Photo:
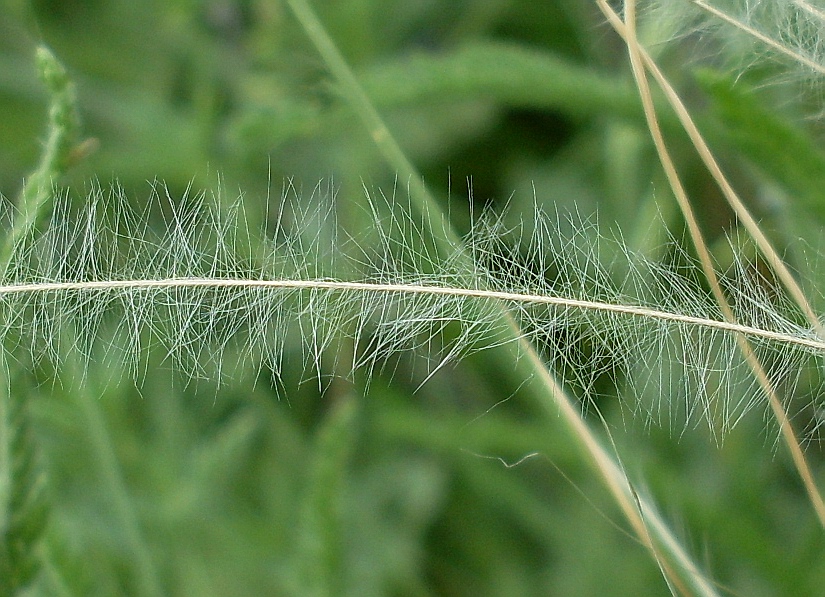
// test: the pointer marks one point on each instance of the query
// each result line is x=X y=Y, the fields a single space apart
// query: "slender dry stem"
x=640 y=61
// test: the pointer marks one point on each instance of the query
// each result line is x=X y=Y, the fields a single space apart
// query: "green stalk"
x=445 y=237
x=677 y=567
x=38 y=189
x=34 y=202
x=22 y=501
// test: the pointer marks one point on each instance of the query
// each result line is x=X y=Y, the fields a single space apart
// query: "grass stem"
x=610 y=473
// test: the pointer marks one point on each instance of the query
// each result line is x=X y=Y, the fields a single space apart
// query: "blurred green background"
x=241 y=486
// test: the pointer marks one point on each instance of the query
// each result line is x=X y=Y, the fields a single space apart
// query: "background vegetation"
x=243 y=484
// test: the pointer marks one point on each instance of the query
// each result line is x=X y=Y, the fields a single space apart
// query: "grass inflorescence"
x=290 y=376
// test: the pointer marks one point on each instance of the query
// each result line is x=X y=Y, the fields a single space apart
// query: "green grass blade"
x=552 y=396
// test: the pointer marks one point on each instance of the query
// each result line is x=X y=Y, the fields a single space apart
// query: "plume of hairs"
x=216 y=298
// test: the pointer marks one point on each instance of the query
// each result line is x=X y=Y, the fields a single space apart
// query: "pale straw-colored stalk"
x=641 y=61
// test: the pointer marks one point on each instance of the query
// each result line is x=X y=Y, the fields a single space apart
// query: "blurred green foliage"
x=246 y=485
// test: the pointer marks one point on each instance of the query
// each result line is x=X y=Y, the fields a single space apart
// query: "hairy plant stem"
x=651 y=531
x=811 y=343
